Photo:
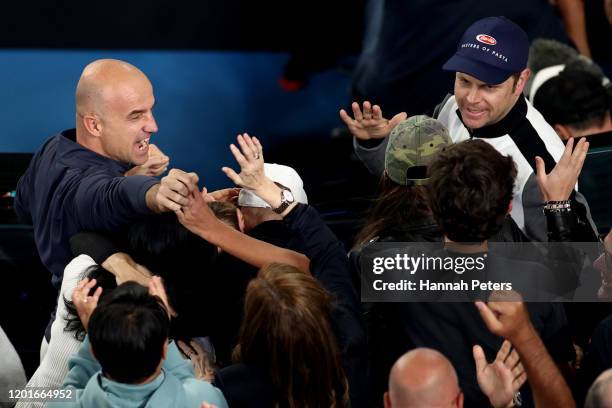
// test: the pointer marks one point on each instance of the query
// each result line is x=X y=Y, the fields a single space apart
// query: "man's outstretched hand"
x=369 y=123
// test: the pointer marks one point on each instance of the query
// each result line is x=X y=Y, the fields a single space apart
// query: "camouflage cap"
x=413 y=145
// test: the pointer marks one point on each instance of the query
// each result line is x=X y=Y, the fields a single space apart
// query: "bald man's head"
x=423 y=377
x=114 y=106
x=600 y=393
x=98 y=81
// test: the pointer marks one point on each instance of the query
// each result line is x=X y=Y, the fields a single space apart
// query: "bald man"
x=76 y=180
x=600 y=393
x=423 y=378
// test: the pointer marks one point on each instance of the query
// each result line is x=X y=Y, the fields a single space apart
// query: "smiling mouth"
x=143 y=144
x=474 y=112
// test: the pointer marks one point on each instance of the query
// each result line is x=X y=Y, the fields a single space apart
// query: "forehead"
x=126 y=96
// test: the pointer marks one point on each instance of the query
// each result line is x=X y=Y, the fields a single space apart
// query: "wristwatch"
x=286 y=199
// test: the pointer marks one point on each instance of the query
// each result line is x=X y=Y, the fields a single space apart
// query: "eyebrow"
x=136 y=112
x=140 y=111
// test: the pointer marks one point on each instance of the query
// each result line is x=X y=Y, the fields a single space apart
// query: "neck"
x=258 y=216
x=146 y=380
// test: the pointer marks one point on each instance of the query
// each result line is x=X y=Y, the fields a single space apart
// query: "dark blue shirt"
x=68 y=188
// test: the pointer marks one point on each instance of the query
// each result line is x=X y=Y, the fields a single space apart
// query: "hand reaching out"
x=197 y=216
x=501 y=379
x=156 y=288
x=560 y=182
x=251 y=161
x=175 y=189
x=369 y=123
x=507 y=319
x=85 y=304
x=156 y=164
x=229 y=195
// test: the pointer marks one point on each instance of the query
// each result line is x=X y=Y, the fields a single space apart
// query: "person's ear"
x=240 y=219
x=522 y=81
x=460 y=400
x=387 y=400
x=510 y=207
x=92 y=124
x=563 y=131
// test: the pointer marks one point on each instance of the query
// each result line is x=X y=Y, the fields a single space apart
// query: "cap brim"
x=481 y=71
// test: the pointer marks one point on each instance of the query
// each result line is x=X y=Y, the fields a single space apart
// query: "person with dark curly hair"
x=470 y=190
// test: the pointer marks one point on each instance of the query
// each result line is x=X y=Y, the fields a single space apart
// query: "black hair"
x=105 y=280
x=470 y=189
x=170 y=250
x=575 y=98
x=184 y=261
x=127 y=333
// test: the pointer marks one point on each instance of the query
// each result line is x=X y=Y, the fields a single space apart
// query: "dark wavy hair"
x=394 y=205
x=105 y=280
x=286 y=332
x=127 y=332
x=170 y=250
x=470 y=189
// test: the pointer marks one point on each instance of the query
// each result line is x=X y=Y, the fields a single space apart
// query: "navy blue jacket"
x=68 y=188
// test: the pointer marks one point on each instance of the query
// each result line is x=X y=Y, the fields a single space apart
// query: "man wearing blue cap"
x=491 y=72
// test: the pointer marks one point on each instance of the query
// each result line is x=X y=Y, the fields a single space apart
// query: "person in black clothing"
x=299 y=227
x=464 y=213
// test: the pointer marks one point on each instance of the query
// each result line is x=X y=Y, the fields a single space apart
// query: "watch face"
x=288 y=196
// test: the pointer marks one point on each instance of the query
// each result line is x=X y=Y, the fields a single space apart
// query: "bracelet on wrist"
x=558 y=206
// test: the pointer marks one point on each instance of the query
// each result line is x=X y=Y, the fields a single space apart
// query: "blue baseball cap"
x=491 y=50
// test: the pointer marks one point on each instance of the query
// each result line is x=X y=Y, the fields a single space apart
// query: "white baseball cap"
x=281 y=174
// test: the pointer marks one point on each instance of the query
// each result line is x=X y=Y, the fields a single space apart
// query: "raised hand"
x=369 y=123
x=251 y=161
x=85 y=304
x=507 y=319
x=501 y=379
x=559 y=183
x=156 y=164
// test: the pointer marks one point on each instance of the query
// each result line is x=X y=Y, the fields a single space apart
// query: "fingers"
x=348 y=121
x=247 y=147
x=232 y=175
x=519 y=381
x=518 y=371
x=567 y=152
x=180 y=182
x=376 y=113
x=579 y=154
x=504 y=351
x=357 y=112
x=175 y=189
x=240 y=159
x=479 y=358
x=512 y=360
x=397 y=119
x=367 y=110
x=540 y=170
x=489 y=317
